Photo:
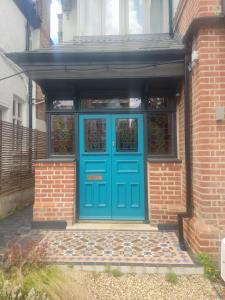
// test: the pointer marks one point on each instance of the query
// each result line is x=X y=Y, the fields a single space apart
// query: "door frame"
x=77 y=160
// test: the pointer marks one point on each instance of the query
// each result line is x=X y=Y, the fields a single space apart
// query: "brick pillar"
x=207 y=227
x=55 y=191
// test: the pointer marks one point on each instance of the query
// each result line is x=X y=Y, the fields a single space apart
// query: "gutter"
x=30 y=86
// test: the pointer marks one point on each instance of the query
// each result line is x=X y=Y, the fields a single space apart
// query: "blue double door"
x=111 y=171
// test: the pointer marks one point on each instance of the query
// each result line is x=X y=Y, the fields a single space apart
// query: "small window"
x=161 y=127
x=17 y=117
x=159 y=16
x=95 y=135
x=111 y=16
x=62 y=104
x=62 y=134
x=110 y=103
x=136 y=16
x=126 y=135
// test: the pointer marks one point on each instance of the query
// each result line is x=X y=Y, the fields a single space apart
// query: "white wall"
x=175 y=4
x=13 y=39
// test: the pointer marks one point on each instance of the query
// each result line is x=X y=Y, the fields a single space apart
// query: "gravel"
x=104 y=286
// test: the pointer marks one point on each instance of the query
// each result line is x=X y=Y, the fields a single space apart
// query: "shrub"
x=171 y=277
x=210 y=269
x=22 y=257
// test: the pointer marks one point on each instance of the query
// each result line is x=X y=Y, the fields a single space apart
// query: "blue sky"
x=55 y=9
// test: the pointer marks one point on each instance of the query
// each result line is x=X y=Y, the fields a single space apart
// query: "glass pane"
x=19 y=110
x=160 y=134
x=90 y=19
x=136 y=16
x=127 y=135
x=159 y=16
x=112 y=16
x=62 y=134
x=63 y=104
x=14 y=108
x=155 y=103
x=112 y=103
x=95 y=135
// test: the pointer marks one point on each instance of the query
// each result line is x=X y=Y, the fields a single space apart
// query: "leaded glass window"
x=111 y=103
x=127 y=135
x=95 y=135
x=62 y=134
x=161 y=126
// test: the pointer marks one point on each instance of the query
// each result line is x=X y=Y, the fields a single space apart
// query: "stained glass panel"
x=155 y=103
x=62 y=134
x=63 y=104
x=95 y=135
x=127 y=135
x=160 y=133
x=110 y=103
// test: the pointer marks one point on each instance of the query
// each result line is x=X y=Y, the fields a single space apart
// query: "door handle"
x=113 y=143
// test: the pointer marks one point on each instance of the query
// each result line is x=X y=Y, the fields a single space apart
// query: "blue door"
x=111 y=167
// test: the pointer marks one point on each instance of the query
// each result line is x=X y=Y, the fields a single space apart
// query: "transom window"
x=160 y=121
x=112 y=17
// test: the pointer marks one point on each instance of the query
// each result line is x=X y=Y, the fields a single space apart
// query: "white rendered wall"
x=13 y=39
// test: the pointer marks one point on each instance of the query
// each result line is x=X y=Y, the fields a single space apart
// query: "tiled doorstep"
x=111 y=226
x=128 y=251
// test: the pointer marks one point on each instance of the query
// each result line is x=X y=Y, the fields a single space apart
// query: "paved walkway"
x=120 y=247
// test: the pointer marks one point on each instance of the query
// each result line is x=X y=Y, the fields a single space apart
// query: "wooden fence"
x=19 y=146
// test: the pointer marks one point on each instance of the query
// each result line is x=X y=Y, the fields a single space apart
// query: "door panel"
x=95 y=167
x=111 y=167
x=127 y=167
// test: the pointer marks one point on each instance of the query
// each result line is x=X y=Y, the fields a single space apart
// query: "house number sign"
x=94 y=177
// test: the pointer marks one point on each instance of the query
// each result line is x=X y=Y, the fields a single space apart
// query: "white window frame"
x=17 y=120
x=123 y=17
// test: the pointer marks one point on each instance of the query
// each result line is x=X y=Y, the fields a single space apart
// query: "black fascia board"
x=68 y=57
x=28 y=9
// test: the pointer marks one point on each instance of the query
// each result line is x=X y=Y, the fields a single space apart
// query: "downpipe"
x=188 y=155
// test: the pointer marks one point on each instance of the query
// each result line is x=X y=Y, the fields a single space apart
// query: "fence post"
x=1 y=155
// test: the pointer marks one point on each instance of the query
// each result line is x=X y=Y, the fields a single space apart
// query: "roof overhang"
x=39 y=66
x=128 y=59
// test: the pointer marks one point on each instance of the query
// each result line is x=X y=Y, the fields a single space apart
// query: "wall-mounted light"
x=219 y=113
x=195 y=56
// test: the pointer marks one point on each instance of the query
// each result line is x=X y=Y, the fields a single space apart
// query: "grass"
x=113 y=272
x=48 y=282
x=211 y=270
x=171 y=278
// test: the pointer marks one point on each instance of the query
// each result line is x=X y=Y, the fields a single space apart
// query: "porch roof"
x=128 y=56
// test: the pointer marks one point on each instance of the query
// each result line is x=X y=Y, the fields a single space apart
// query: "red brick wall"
x=55 y=191
x=164 y=192
x=192 y=9
x=204 y=231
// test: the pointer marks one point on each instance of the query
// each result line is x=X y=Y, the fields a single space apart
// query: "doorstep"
x=129 y=250
x=112 y=226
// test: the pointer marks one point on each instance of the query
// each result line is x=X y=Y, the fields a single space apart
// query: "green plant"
x=171 y=277
x=108 y=269
x=210 y=269
x=116 y=273
x=22 y=257
x=113 y=272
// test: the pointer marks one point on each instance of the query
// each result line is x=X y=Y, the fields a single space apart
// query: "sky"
x=55 y=9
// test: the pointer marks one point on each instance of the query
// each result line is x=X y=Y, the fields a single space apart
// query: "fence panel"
x=19 y=146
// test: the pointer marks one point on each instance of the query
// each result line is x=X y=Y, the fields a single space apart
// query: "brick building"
x=135 y=117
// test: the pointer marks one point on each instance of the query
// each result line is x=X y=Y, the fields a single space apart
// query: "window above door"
x=115 y=17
